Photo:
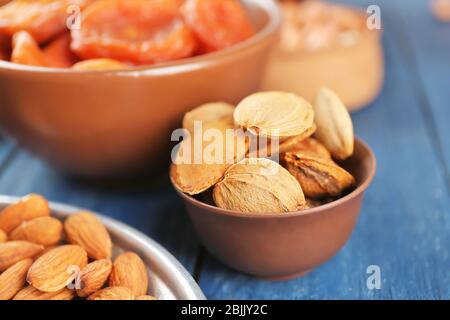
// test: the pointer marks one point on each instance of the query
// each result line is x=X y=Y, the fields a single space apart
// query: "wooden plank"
x=404 y=226
x=149 y=206
x=426 y=45
x=7 y=151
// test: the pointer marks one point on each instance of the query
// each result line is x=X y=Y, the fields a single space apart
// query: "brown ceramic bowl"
x=281 y=246
x=355 y=72
x=111 y=123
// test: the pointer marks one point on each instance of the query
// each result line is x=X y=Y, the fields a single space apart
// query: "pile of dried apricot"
x=113 y=34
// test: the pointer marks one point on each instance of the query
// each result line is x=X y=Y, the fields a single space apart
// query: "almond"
x=200 y=163
x=274 y=114
x=86 y=230
x=3 y=236
x=292 y=142
x=44 y=230
x=318 y=176
x=13 y=279
x=309 y=145
x=29 y=207
x=146 y=297
x=206 y=113
x=258 y=185
x=64 y=294
x=260 y=147
x=112 y=293
x=31 y=293
x=53 y=271
x=334 y=124
x=94 y=276
x=129 y=271
x=46 y=249
x=15 y=251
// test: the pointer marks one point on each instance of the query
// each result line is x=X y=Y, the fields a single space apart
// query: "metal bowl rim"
x=174 y=267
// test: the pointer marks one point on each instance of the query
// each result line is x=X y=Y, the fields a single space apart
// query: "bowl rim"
x=362 y=187
x=187 y=64
x=174 y=274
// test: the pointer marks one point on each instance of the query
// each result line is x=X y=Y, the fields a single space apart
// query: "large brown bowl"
x=283 y=245
x=115 y=122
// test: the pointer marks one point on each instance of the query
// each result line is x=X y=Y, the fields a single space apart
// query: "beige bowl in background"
x=354 y=72
x=114 y=123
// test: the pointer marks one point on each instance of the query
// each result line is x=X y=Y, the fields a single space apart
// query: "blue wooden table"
x=404 y=227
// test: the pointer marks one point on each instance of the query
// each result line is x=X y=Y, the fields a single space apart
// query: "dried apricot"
x=43 y=19
x=5 y=44
x=57 y=53
x=99 y=64
x=135 y=31
x=218 y=24
x=26 y=50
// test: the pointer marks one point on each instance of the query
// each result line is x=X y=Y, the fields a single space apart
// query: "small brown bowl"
x=280 y=246
x=354 y=72
x=114 y=123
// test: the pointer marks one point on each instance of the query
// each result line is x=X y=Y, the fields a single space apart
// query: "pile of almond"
x=314 y=25
x=42 y=258
x=274 y=152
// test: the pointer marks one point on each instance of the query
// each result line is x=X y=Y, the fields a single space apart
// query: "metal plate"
x=168 y=279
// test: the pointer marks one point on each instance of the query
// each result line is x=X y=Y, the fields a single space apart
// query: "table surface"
x=404 y=226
